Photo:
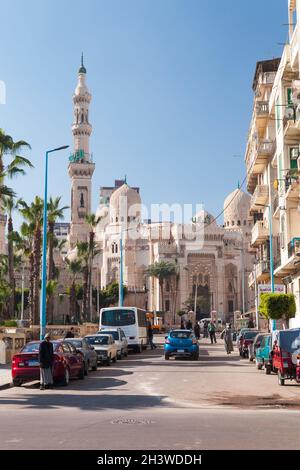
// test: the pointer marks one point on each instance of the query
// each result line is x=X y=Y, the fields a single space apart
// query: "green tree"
x=74 y=268
x=278 y=306
x=33 y=214
x=92 y=220
x=161 y=270
x=55 y=212
x=9 y=204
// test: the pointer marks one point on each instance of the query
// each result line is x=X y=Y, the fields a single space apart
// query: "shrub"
x=277 y=306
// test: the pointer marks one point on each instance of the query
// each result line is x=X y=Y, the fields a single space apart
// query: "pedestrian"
x=197 y=330
x=46 y=358
x=70 y=333
x=182 y=324
x=250 y=323
x=205 y=329
x=189 y=325
x=227 y=336
x=150 y=336
x=212 y=332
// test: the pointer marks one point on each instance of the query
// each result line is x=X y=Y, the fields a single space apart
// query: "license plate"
x=33 y=363
x=180 y=350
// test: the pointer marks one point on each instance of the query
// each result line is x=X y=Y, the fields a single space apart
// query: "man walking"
x=212 y=332
x=150 y=336
x=46 y=357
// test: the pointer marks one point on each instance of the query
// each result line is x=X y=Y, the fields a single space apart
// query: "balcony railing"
x=260 y=233
x=260 y=196
x=262 y=108
x=294 y=248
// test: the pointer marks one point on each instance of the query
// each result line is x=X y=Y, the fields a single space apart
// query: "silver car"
x=120 y=340
x=88 y=351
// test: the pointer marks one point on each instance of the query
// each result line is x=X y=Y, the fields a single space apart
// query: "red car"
x=68 y=363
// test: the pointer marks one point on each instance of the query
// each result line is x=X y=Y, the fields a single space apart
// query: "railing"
x=260 y=195
x=259 y=232
x=266 y=147
x=263 y=267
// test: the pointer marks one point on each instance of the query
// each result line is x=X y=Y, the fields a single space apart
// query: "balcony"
x=261 y=272
x=260 y=156
x=260 y=233
x=260 y=197
x=292 y=185
x=262 y=109
x=292 y=263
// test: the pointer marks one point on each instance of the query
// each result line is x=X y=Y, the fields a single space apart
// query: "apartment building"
x=273 y=164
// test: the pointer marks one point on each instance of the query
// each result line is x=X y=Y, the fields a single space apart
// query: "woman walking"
x=227 y=336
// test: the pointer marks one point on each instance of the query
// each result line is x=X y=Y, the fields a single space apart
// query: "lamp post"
x=121 y=293
x=269 y=206
x=44 y=251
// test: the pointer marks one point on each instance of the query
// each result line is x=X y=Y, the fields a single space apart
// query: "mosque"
x=210 y=259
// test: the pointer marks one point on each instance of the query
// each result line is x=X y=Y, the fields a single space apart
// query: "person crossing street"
x=212 y=332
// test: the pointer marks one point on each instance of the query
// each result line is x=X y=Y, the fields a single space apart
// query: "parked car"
x=253 y=346
x=181 y=343
x=245 y=341
x=68 y=363
x=263 y=354
x=105 y=347
x=89 y=354
x=120 y=340
x=286 y=355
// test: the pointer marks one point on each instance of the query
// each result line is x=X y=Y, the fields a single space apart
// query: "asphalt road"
x=145 y=402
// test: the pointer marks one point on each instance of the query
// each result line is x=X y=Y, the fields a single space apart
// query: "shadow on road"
x=53 y=400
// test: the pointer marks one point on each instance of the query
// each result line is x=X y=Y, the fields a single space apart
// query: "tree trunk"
x=11 y=275
x=72 y=310
x=50 y=276
x=161 y=286
x=36 y=274
x=31 y=288
x=84 y=296
x=90 y=269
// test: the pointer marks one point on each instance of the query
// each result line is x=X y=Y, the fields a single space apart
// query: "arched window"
x=117 y=220
x=232 y=222
x=239 y=223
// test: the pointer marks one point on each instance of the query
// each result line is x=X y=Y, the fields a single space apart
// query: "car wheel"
x=17 y=383
x=196 y=356
x=86 y=368
x=66 y=378
x=167 y=357
x=280 y=379
x=81 y=373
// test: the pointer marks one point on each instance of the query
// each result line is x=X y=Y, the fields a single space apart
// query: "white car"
x=105 y=347
x=120 y=340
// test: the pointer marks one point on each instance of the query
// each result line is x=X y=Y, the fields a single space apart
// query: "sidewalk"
x=5 y=376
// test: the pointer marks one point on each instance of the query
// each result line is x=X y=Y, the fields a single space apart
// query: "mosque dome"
x=125 y=202
x=236 y=209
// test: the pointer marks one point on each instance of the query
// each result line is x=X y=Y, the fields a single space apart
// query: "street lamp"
x=44 y=252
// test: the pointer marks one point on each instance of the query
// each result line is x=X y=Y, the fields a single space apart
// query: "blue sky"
x=171 y=85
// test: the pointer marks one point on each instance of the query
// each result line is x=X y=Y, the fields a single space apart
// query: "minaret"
x=81 y=166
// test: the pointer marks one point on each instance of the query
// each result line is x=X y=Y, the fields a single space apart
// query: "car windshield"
x=114 y=334
x=250 y=334
x=95 y=340
x=76 y=343
x=31 y=347
x=116 y=318
x=181 y=334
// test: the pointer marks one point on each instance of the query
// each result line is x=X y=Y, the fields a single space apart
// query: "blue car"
x=181 y=343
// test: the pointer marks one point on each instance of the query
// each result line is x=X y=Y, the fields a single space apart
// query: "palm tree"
x=84 y=256
x=5 y=191
x=55 y=212
x=34 y=214
x=5 y=291
x=9 y=204
x=161 y=270
x=74 y=268
x=50 y=291
x=9 y=147
x=92 y=221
